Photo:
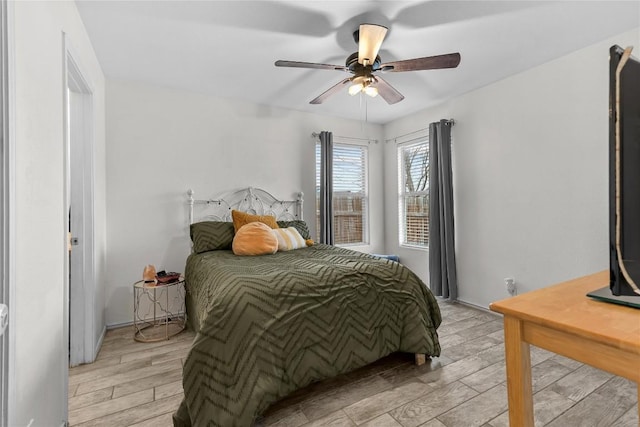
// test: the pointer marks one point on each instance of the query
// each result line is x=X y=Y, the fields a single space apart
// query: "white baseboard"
x=130 y=323
x=479 y=307
x=469 y=304
x=99 y=343
x=118 y=325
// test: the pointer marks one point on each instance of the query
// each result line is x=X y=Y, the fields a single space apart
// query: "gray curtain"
x=326 y=188
x=443 y=280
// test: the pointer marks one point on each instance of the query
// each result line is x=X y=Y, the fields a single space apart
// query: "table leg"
x=518 y=361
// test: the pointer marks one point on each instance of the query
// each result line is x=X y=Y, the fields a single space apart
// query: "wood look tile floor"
x=138 y=384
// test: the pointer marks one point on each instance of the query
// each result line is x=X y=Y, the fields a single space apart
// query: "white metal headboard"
x=251 y=200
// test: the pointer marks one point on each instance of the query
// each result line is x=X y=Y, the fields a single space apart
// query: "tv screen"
x=624 y=172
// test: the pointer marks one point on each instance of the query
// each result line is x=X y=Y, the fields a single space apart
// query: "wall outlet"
x=510 y=282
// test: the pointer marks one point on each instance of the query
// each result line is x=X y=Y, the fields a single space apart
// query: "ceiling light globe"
x=371 y=91
x=354 y=89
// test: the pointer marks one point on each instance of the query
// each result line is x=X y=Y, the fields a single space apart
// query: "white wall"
x=160 y=142
x=530 y=157
x=41 y=354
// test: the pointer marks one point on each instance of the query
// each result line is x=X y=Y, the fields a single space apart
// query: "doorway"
x=80 y=212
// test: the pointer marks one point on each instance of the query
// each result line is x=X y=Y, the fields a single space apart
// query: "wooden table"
x=564 y=320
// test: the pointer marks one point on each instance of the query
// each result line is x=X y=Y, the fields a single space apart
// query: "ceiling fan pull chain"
x=366 y=110
x=363 y=109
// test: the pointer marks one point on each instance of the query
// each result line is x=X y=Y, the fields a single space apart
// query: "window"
x=413 y=169
x=350 y=196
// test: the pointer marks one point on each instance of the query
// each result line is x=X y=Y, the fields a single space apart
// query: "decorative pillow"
x=289 y=238
x=211 y=236
x=242 y=218
x=255 y=238
x=299 y=224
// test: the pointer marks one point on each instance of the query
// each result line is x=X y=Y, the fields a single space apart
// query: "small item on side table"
x=149 y=274
x=164 y=277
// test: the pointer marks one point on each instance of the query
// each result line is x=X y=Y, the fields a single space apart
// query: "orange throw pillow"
x=242 y=218
x=255 y=238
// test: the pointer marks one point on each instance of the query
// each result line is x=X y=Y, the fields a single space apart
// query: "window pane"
x=413 y=163
x=416 y=218
x=349 y=193
x=416 y=167
x=348 y=214
x=348 y=168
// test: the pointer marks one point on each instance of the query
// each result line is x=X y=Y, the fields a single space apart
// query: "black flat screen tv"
x=624 y=172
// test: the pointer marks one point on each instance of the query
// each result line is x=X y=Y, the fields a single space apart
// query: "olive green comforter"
x=268 y=325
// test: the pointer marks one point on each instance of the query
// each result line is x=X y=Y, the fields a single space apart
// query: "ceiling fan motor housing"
x=361 y=70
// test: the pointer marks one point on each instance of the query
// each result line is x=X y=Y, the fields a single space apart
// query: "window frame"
x=403 y=194
x=365 y=196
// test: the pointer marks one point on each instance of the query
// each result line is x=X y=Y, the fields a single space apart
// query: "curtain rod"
x=395 y=139
x=316 y=135
x=451 y=122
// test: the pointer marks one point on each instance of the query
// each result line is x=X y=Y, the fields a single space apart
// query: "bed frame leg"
x=421 y=359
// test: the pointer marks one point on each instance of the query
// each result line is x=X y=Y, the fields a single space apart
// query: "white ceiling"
x=228 y=48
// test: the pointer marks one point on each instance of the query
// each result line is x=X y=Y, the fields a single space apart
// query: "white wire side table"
x=158 y=310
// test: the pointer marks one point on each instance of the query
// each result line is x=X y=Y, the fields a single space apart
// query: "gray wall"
x=530 y=157
x=38 y=306
x=160 y=142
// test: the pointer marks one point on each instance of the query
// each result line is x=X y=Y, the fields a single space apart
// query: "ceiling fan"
x=364 y=63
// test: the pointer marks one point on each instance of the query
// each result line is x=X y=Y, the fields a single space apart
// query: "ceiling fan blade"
x=450 y=60
x=387 y=92
x=332 y=90
x=370 y=39
x=297 y=64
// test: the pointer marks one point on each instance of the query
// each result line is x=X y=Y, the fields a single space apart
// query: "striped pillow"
x=288 y=239
x=299 y=224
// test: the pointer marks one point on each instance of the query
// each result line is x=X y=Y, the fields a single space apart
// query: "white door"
x=6 y=217
x=81 y=291
x=76 y=230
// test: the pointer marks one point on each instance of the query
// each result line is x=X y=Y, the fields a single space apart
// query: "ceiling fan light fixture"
x=359 y=82
x=371 y=91
x=363 y=84
x=370 y=40
x=355 y=89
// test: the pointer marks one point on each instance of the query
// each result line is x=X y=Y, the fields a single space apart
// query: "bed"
x=269 y=325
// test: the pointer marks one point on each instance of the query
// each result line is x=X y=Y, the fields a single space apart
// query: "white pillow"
x=288 y=239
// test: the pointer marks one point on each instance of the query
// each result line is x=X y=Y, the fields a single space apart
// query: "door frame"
x=7 y=209
x=80 y=292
